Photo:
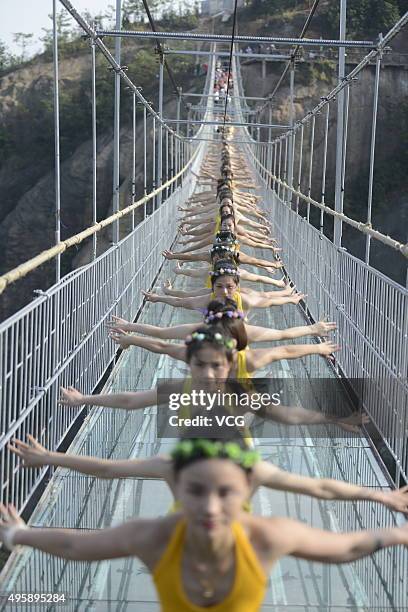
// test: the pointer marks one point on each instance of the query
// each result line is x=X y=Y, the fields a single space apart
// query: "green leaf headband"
x=210 y=337
x=186 y=450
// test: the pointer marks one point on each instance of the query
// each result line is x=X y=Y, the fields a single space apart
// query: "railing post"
x=177 y=152
x=326 y=135
x=144 y=159
x=57 y=176
x=338 y=200
x=154 y=167
x=291 y=142
x=116 y=128
x=133 y=155
x=160 y=134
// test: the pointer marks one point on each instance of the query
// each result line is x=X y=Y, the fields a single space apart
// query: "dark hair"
x=222 y=206
x=224 y=267
x=227 y=216
x=226 y=251
x=227 y=324
x=226 y=236
x=208 y=335
x=232 y=447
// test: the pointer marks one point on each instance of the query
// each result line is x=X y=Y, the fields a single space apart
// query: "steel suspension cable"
x=160 y=48
x=295 y=50
x=234 y=23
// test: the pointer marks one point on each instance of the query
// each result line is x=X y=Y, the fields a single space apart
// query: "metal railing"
x=370 y=309
x=60 y=338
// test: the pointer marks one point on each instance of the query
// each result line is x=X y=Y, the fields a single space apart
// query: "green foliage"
x=173 y=21
x=63 y=30
x=23 y=40
x=364 y=17
x=7 y=59
x=257 y=8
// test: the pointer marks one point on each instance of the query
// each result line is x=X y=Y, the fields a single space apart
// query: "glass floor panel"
x=78 y=501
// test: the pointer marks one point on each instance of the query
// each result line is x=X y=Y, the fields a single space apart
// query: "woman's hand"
x=150 y=297
x=297 y=297
x=32 y=455
x=323 y=328
x=281 y=283
x=177 y=269
x=10 y=523
x=168 y=254
x=119 y=336
x=71 y=397
x=353 y=422
x=326 y=349
x=117 y=323
x=397 y=500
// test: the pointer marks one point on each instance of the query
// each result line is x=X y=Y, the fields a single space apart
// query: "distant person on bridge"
x=225 y=284
x=246 y=361
x=223 y=312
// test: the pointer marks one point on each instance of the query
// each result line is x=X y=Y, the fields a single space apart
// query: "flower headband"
x=222 y=248
x=224 y=271
x=209 y=449
x=231 y=314
x=210 y=337
x=219 y=238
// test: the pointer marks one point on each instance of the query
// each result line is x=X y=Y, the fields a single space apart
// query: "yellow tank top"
x=242 y=371
x=248 y=589
x=217 y=224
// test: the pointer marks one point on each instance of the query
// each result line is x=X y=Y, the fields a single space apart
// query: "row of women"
x=211 y=551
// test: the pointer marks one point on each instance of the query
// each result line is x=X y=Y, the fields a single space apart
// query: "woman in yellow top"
x=245 y=360
x=227 y=239
x=225 y=284
x=212 y=555
x=227 y=266
x=223 y=251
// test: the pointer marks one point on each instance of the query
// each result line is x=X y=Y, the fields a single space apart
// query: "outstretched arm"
x=297 y=415
x=201 y=256
x=258 y=358
x=265 y=334
x=34 y=455
x=198 y=245
x=131 y=538
x=191 y=303
x=128 y=400
x=178 y=332
x=259 y=278
x=176 y=351
x=268 y=475
x=193 y=272
x=255 y=301
x=299 y=540
x=261 y=263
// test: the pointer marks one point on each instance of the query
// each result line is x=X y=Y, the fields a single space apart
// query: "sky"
x=29 y=16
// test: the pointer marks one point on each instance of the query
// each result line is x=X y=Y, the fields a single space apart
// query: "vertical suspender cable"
x=57 y=176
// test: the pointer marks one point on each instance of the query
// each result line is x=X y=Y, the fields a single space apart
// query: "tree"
x=7 y=59
x=133 y=10
x=23 y=40
x=63 y=31
x=365 y=16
